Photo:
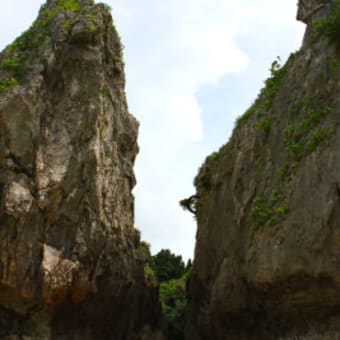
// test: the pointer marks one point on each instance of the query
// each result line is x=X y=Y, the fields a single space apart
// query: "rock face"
x=70 y=266
x=267 y=258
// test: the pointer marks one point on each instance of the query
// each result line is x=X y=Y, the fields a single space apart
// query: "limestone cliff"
x=70 y=266
x=267 y=258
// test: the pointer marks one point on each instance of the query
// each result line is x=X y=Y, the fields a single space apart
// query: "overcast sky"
x=192 y=67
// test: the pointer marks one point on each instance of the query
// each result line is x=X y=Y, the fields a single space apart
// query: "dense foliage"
x=172 y=273
x=174 y=302
x=167 y=266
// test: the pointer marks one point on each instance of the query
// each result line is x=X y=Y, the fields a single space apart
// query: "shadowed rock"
x=308 y=8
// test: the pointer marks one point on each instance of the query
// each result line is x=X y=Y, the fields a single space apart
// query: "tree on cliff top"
x=167 y=265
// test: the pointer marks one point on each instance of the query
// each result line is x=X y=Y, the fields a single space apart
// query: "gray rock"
x=308 y=8
x=69 y=261
x=267 y=258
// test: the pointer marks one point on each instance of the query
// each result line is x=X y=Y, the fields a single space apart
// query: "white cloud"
x=181 y=46
x=187 y=115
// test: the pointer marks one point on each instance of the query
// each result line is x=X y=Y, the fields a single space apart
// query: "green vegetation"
x=203 y=179
x=91 y=26
x=330 y=25
x=7 y=84
x=302 y=105
x=144 y=255
x=174 y=302
x=317 y=138
x=260 y=108
x=305 y=136
x=105 y=91
x=243 y=118
x=301 y=138
x=69 y=5
x=214 y=157
x=273 y=83
x=167 y=265
x=268 y=210
x=267 y=95
x=14 y=70
x=68 y=23
x=151 y=275
x=265 y=124
x=172 y=274
x=149 y=270
x=16 y=60
x=38 y=32
x=13 y=65
x=287 y=170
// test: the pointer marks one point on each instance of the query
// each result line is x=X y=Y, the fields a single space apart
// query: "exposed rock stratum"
x=267 y=258
x=70 y=266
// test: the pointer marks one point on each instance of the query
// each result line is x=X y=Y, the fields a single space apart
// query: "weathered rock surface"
x=267 y=259
x=70 y=267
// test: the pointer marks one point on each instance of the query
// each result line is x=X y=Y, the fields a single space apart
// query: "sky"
x=192 y=67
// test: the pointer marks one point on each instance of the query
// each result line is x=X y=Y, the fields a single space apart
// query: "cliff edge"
x=70 y=262
x=267 y=258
